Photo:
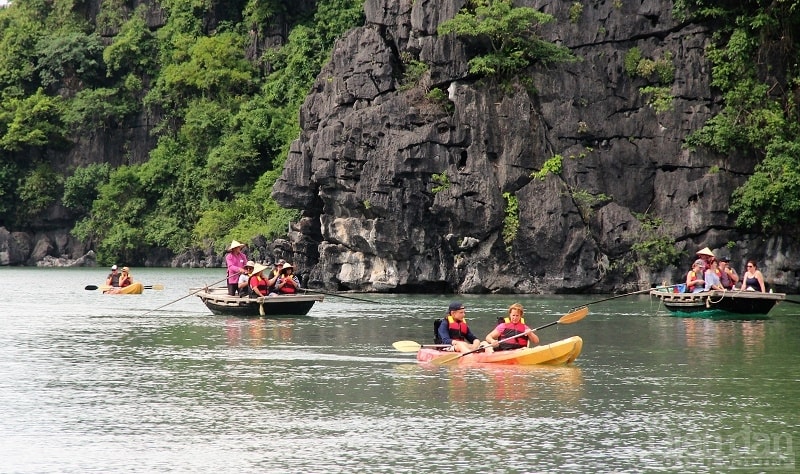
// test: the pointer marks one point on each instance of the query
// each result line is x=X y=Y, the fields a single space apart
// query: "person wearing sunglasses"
x=753 y=279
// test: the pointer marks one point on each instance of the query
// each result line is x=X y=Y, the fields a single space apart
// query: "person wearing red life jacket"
x=694 y=279
x=514 y=325
x=288 y=283
x=455 y=331
x=125 y=279
x=258 y=282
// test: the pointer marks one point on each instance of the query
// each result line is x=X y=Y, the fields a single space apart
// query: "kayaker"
x=113 y=277
x=235 y=261
x=511 y=326
x=125 y=279
x=455 y=331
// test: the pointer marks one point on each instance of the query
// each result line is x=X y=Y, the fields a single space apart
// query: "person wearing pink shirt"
x=235 y=261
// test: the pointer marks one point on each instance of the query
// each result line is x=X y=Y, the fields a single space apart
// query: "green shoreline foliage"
x=228 y=118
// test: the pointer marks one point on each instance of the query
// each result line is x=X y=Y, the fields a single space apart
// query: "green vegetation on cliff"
x=227 y=118
x=504 y=37
x=755 y=65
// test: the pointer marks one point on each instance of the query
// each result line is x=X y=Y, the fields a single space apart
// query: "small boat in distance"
x=715 y=303
x=560 y=352
x=219 y=302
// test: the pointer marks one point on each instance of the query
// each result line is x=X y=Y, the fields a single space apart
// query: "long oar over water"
x=628 y=294
x=186 y=296
x=340 y=296
x=572 y=317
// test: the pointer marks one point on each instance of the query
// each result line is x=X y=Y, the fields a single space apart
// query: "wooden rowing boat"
x=560 y=352
x=219 y=302
x=712 y=303
x=132 y=289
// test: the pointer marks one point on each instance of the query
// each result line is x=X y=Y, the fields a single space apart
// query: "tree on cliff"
x=503 y=37
x=225 y=101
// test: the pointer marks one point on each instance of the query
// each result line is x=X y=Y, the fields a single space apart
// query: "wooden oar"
x=340 y=296
x=412 y=346
x=572 y=317
x=157 y=286
x=629 y=294
x=186 y=296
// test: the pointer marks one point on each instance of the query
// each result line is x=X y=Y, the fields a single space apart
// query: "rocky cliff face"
x=368 y=168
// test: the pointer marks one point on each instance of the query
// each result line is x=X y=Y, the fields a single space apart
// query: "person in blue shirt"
x=711 y=277
x=454 y=330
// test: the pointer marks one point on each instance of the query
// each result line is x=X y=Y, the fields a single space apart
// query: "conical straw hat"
x=705 y=251
x=258 y=268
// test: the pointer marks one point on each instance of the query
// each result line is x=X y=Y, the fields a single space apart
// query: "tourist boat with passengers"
x=560 y=352
x=716 y=303
x=219 y=302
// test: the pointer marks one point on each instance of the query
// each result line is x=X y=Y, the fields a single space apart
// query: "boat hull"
x=132 y=289
x=219 y=302
x=560 y=352
x=710 y=303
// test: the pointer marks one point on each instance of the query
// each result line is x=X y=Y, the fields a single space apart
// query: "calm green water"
x=88 y=383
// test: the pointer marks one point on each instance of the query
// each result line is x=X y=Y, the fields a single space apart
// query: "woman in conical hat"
x=706 y=255
x=236 y=261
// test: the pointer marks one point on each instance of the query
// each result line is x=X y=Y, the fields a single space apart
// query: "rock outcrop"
x=403 y=192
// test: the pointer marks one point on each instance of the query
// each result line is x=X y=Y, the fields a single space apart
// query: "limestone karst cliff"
x=413 y=174
x=404 y=193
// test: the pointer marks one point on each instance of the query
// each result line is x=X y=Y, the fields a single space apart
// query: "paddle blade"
x=406 y=346
x=90 y=287
x=157 y=286
x=574 y=316
x=446 y=358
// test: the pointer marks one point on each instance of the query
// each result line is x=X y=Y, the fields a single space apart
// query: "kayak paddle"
x=569 y=318
x=157 y=286
x=411 y=346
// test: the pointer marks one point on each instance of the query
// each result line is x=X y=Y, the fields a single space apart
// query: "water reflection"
x=493 y=384
x=258 y=332
x=749 y=335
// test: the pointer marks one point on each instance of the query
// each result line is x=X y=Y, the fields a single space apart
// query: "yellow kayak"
x=564 y=351
x=132 y=289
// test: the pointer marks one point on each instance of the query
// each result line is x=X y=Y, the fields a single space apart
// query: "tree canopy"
x=227 y=118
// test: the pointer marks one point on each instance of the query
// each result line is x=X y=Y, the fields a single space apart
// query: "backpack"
x=436 y=324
